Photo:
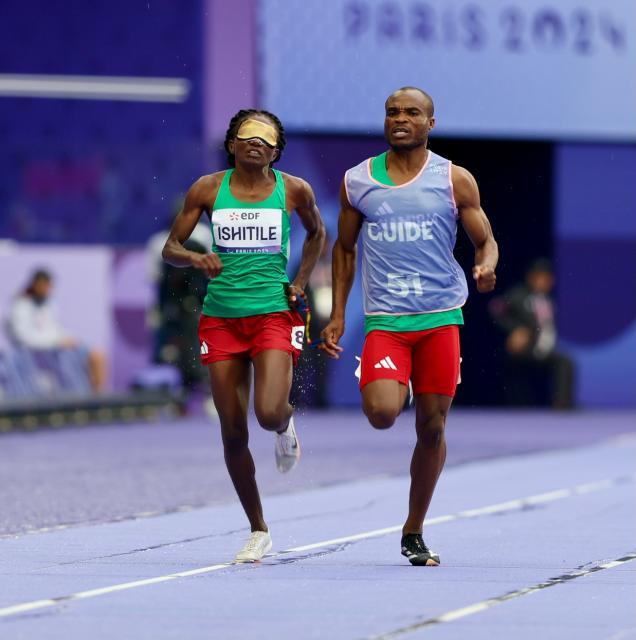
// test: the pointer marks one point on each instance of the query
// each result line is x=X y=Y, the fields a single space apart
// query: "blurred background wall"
x=537 y=98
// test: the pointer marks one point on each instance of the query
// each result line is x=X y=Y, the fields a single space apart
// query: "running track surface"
x=534 y=520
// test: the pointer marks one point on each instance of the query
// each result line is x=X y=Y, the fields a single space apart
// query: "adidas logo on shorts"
x=204 y=348
x=385 y=363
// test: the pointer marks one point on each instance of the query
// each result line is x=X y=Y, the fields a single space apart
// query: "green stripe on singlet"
x=415 y=322
x=379 y=170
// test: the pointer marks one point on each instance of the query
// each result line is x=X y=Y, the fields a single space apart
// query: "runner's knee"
x=272 y=417
x=430 y=432
x=381 y=416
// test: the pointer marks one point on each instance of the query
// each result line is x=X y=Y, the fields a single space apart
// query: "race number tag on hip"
x=248 y=230
x=298 y=336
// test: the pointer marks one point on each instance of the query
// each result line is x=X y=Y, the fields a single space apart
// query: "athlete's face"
x=407 y=121
x=254 y=151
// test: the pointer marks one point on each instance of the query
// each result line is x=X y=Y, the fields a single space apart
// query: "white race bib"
x=298 y=336
x=242 y=230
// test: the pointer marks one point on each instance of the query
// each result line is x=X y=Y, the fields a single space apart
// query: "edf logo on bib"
x=244 y=215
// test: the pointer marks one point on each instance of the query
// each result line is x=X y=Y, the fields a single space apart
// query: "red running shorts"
x=231 y=338
x=429 y=358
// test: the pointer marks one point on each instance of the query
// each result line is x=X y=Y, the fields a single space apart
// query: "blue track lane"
x=579 y=513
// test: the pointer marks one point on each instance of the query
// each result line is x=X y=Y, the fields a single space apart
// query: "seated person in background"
x=526 y=314
x=32 y=324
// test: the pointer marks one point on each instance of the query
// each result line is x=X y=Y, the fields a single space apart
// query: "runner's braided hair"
x=238 y=120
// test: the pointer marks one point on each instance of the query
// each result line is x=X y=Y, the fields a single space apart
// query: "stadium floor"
x=130 y=530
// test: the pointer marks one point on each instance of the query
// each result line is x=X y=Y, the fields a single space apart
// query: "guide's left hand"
x=484 y=277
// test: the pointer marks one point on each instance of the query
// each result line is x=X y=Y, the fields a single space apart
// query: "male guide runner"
x=406 y=204
x=249 y=313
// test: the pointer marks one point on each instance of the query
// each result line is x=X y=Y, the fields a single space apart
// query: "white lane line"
x=28 y=606
x=93 y=593
x=580 y=489
x=335 y=541
x=127 y=88
x=456 y=614
x=502 y=507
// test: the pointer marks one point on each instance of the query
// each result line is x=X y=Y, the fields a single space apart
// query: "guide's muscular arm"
x=477 y=227
x=343 y=268
x=199 y=198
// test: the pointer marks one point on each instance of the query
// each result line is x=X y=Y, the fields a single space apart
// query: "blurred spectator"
x=175 y=316
x=526 y=314
x=32 y=324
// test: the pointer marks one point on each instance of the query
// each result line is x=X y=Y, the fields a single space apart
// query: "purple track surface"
x=534 y=519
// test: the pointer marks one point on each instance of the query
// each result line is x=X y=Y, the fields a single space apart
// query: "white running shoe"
x=287 y=448
x=257 y=545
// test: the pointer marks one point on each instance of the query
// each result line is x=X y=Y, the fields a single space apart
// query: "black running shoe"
x=414 y=548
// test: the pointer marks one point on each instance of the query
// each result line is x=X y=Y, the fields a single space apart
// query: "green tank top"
x=252 y=241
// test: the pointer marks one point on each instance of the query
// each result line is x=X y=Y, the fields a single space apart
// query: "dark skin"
x=407 y=125
x=252 y=181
